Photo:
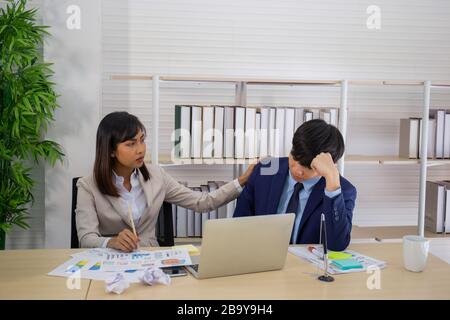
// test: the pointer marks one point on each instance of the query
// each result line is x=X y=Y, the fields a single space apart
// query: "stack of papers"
x=102 y=264
x=315 y=257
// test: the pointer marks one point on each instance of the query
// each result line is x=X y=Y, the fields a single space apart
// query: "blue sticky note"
x=346 y=264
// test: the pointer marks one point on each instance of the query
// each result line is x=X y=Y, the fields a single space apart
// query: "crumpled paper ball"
x=117 y=284
x=153 y=276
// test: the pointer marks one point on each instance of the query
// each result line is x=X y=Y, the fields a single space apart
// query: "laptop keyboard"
x=195 y=267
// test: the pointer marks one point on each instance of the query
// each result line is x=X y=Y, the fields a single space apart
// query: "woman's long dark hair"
x=114 y=128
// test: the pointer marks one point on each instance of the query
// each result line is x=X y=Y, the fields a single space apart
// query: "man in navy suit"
x=306 y=183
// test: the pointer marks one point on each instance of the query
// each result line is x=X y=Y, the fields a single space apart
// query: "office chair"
x=74 y=243
x=164 y=224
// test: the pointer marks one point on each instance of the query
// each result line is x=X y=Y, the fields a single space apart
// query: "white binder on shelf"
x=447 y=206
x=221 y=211
x=196 y=132
x=409 y=138
x=239 y=134
x=432 y=138
x=334 y=119
x=272 y=123
x=205 y=215
x=447 y=210
x=250 y=133
x=258 y=135
x=289 y=127
x=264 y=133
x=325 y=115
x=308 y=115
x=182 y=219
x=316 y=113
x=197 y=219
x=230 y=208
x=431 y=150
x=212 y=187
x=447 y=136
x=299 y=118
x=182 y=131
x=181 y=222
x=228 y=142
x=174 y=219
x=440 y=125
x=279 y=132
x=218 y=131
x=208 y=132
x=191 y=221
x=435 y=206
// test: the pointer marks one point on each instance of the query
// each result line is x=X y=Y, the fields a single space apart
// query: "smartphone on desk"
x=175 y=271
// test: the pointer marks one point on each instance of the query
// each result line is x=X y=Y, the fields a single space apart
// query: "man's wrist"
x=333 y=181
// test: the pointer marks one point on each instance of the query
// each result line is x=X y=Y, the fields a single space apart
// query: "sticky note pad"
x=346 y=264
x=191 y=249
x=334 y=255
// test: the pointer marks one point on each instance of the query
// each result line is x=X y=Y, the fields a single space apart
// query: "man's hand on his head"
x=324 y=166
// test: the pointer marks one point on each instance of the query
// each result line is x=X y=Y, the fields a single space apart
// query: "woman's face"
x=130 y=153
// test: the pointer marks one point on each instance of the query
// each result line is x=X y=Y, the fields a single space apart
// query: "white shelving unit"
x=241 y=85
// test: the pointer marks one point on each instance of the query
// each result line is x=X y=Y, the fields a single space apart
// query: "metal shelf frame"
x=241 y=85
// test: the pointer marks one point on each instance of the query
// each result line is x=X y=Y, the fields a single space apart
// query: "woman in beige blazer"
x=122 y=184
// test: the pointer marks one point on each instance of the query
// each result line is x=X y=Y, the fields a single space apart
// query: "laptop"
x=243 y=245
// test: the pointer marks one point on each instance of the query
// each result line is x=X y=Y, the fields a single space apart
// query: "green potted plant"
x=27 y=105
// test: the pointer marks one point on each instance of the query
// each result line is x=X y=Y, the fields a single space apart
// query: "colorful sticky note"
x=191 y=249
x=346 y=264
x=335 y=255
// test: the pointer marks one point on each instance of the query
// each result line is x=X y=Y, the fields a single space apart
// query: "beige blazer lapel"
x=117 y=205
x=149 y=196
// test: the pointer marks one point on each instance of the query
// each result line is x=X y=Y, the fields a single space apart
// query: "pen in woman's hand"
x=130 y=216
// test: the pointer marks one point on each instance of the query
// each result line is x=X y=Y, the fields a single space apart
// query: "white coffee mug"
x=415 y=252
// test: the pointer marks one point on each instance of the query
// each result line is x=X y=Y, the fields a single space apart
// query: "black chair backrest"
x=164 y=225
x=74 y=243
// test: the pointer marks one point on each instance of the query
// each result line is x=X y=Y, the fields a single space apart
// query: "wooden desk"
x=298 y=281
x=23 y=275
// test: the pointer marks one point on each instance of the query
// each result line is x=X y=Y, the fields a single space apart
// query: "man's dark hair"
x=312 y=138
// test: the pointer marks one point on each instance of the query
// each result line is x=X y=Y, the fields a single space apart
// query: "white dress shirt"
x=133 y=200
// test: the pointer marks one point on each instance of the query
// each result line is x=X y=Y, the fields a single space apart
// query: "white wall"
x=288 y=39
x=280 y=39
x=76 y=55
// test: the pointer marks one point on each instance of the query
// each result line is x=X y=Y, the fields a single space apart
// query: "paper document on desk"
x=367 y=262
x=88 y=268
x=118 y=262
x=99 y=264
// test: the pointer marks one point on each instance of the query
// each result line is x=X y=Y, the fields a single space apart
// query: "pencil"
x=132 y=221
